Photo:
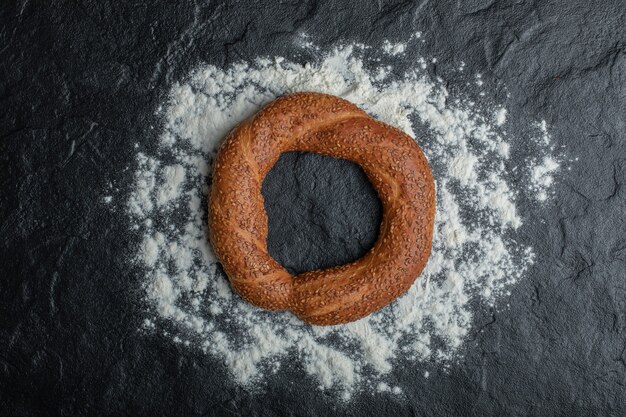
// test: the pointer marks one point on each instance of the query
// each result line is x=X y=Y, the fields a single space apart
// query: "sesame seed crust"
x=328 y=125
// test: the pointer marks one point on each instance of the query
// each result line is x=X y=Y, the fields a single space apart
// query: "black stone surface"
x=79 y=83
x=321 y=211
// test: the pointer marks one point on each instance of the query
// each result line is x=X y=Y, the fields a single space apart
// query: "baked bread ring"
x=328 y=125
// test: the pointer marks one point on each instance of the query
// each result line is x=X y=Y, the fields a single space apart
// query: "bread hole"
x=322 y=211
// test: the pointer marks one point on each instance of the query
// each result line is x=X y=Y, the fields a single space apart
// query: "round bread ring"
x=328 y=125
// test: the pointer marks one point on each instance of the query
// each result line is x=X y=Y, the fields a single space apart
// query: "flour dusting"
x=476 y=256
x=394 y=48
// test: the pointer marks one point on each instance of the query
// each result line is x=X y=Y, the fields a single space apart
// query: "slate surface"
x=79 y=82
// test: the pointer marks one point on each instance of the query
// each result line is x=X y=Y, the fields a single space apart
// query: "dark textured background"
x=79 y=83
x=321 y=211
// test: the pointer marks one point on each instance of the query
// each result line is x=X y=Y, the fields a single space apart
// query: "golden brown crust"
x=328 y=125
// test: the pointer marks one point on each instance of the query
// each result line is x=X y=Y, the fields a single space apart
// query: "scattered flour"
x=543 y=167
x=475 y=258
x=394 y=48
x=500 y=116
x=383 y=387
x=173 y=177
x=542 y=177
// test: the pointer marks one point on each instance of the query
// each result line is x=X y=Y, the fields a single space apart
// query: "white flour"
x=475 y=257
x=394 y=48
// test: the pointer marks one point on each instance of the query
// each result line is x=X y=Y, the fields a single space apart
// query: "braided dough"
x=328 y=125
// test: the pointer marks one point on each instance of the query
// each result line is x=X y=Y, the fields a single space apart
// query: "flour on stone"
x=475 y=257
x=394 y=48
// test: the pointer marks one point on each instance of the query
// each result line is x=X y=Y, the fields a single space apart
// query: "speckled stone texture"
x=329 y=196
x=79 y=83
